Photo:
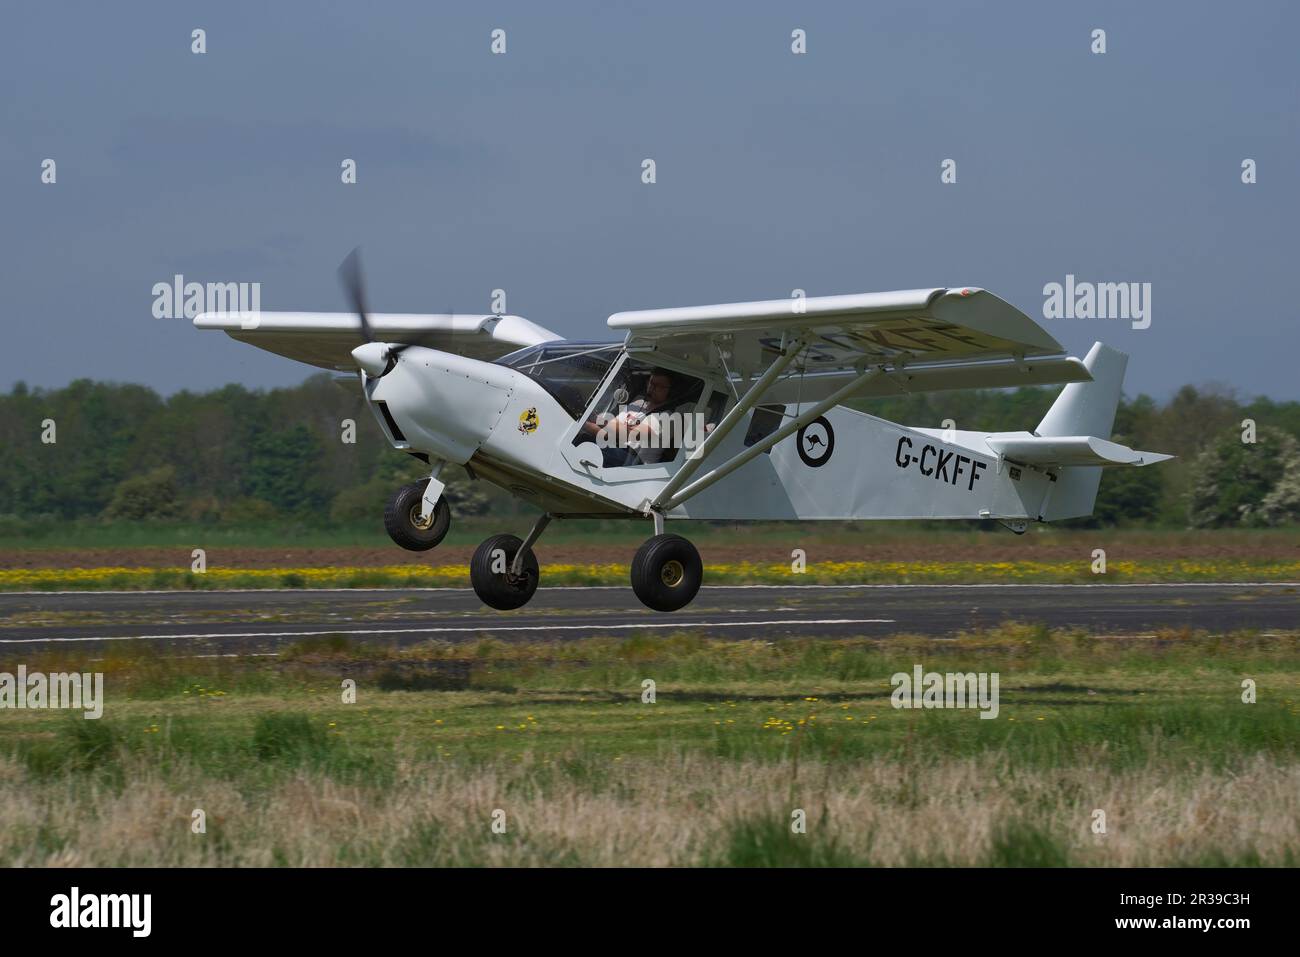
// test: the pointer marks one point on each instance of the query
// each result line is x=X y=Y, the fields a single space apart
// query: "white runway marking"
x=464 y=629
x=544 y=589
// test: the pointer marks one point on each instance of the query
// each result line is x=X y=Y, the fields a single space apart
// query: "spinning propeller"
x=376 y=358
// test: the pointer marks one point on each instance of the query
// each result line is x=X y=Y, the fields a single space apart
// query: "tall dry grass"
x=682 y=808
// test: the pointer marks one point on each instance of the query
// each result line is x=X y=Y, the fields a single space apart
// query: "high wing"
x=994 y=374
x=928 y=338
x=326 y=339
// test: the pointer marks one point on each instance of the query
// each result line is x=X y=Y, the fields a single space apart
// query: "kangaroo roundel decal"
x=816 y=442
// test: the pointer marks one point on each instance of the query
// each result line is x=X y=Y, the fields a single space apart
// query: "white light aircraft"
x=730 y=412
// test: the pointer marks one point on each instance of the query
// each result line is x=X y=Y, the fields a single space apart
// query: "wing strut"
x=667 y=501
x=729 y=422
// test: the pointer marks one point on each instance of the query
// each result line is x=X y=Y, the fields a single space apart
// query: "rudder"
x=1088 y=408
x=1084 y=408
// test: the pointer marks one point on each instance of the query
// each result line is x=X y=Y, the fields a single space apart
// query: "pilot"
x=632 y=434
x=642 y=427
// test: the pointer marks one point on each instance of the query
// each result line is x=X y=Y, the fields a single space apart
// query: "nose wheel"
x=666 y=573
x=404 y=522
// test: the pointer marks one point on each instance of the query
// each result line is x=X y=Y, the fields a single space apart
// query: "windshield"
x=569 y=371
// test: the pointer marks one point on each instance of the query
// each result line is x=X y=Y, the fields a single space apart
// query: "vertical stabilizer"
x=1083 y=408
x=1088 y=408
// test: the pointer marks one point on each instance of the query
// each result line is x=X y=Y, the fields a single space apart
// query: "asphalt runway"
x=264 y=621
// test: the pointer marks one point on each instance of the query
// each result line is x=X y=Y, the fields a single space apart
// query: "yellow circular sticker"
x=528 y=420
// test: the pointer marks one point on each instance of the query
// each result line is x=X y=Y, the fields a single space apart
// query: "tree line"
x=314 y=452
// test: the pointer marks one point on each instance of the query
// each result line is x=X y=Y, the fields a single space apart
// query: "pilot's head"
x=659 y=388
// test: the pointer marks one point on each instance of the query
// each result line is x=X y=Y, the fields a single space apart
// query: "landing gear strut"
x=666 y=570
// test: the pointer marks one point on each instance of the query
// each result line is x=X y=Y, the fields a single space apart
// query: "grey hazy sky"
x=522 y=171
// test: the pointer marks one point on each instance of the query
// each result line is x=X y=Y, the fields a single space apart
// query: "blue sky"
x=522 y=171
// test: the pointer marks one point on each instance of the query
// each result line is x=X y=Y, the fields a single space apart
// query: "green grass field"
x=556 y=737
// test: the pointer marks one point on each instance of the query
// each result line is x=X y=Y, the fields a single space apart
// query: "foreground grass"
x=557 y=736
x=683 y=809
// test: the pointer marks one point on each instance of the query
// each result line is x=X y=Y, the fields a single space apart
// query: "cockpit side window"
x=570 y=371
x=643 y=415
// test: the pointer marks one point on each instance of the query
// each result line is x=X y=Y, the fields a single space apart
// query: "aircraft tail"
x=1084 y=409
x=1073 y=443
x=1088 y=408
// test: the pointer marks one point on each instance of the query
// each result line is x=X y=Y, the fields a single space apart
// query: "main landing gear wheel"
x=490 y=573
x=666 y=573
x=404 y=524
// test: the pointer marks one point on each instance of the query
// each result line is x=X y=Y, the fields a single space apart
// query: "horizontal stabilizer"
x=1063 y=450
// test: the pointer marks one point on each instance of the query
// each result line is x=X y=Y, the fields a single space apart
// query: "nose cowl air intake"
x=446 y=405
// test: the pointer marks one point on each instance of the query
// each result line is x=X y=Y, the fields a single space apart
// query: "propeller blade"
x=354 y=286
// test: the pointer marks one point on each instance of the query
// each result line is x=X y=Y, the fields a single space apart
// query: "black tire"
x=666 y=573
x=402 y=518
x=497 y=589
